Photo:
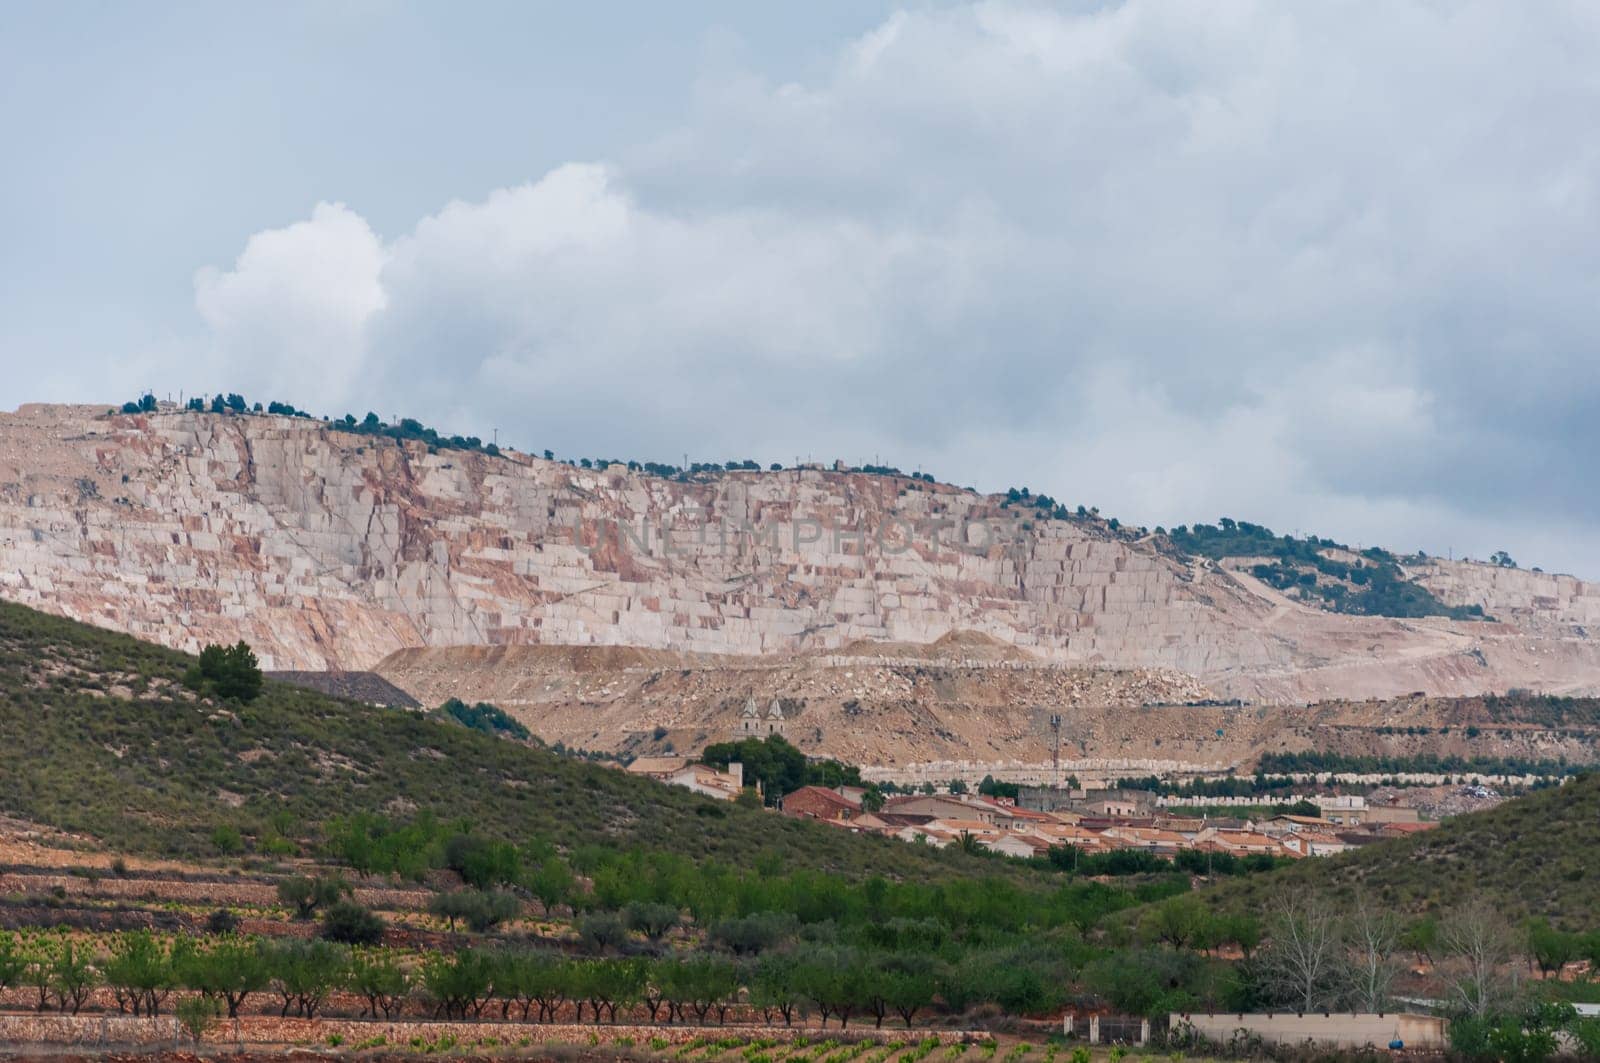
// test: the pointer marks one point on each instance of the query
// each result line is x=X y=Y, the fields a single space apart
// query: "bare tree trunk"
x=1374 y=938
x=1304 y=963
x=1482 y=946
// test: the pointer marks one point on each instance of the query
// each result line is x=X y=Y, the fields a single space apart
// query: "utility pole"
x=1055 y=751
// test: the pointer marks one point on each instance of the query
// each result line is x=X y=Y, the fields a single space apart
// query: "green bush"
x=349 y=923
x=229 y=672
x=197 y=1015
x=227 y=839
x=222 y=921
x=489 y=719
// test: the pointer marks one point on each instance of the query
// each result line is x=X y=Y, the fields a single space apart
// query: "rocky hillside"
x=329 y=549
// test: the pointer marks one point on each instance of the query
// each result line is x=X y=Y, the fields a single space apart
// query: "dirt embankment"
x=884 y=710
x=866 y=709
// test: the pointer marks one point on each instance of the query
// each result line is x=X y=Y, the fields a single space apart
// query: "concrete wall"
x=1353 y=1031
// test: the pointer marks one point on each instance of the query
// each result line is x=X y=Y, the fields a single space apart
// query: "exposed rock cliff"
x=326 y=549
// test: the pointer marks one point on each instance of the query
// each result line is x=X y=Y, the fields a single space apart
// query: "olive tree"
x=305 y=894
x=654 y=921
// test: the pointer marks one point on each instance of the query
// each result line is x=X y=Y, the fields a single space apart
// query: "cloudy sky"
x=1333 y=267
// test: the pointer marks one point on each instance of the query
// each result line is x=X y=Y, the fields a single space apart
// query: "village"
x=1086 y=820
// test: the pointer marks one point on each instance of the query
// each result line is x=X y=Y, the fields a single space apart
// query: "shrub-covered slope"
x=1535 y=856
x=101 y=737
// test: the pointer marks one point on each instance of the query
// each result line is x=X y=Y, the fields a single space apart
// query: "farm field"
x=331 y=876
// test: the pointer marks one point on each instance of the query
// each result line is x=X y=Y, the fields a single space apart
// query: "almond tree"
x=305 y=972
x=379 y=978
x=140 y=971
x=39 y=954
x=13 y=960
x=459 y=985
x=73 y=976
x=227 y=972
x=772 y=985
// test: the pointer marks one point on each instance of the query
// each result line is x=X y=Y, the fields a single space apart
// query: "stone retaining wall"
x=217 y=894
x=127 y=1030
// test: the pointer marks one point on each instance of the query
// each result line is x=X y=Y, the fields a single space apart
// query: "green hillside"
x=102 y=738
x=1533 y=856
x=1373 y=583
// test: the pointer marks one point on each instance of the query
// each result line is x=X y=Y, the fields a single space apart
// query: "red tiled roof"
x=813 y=798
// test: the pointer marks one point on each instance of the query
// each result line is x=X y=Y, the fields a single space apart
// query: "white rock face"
x=326 y=549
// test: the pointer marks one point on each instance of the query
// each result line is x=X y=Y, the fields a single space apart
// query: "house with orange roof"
x=928 y=834
x=865 y=823
x=657 y=767
x=943 y=806
x=819 y=802
x=1013 y=818
x=975 y=827
x=1187 y=826
x=1148 y=839
x=1016 y=845
x=1312 y=843
x=1062 y=834
x=1287 y=824
x=1240 y=842
x=708 y=781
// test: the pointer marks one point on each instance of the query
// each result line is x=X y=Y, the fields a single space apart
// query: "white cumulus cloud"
x=292 y=313
x=1327 y=267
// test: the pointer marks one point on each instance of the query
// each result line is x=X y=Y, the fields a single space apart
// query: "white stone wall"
x=1343 y=1030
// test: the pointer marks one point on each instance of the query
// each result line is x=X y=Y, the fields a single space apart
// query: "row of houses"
x=1351 y=810
x=1115 y=824
x=1091 y=821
